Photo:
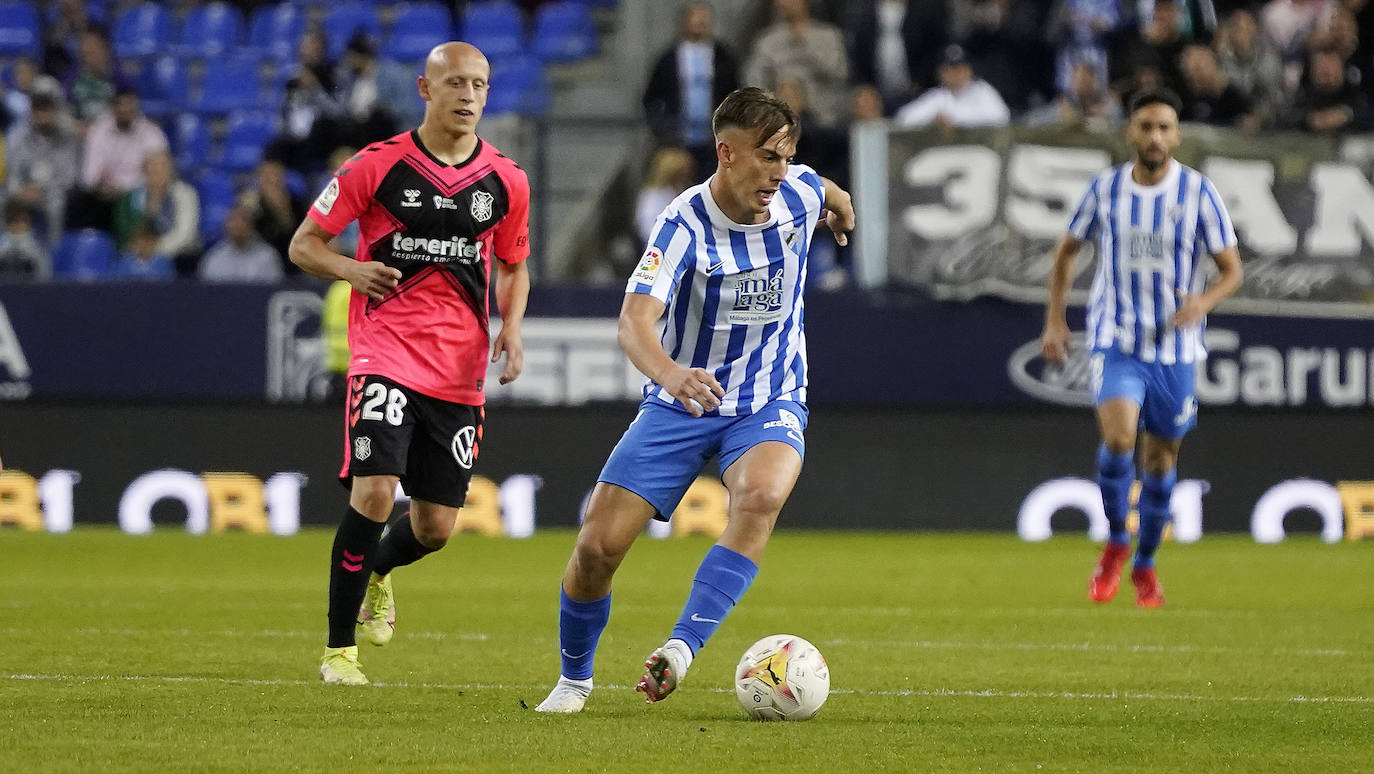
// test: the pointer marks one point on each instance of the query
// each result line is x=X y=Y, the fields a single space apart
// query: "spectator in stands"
x=1288 y=23
x=1249 y=63
x=21 y=254
x=1085 y=105
x=92 y=84
x=117 y=144
x=1340 y=35
x=309 y=109
x=378 y=95
x=866 y=104
x=1209 y=97
x=690 y=78
x=170 y=205
x=241 y=256
x=141 y=258
x=62 y=36
x=1197 y=18
x=1152 y=55
x=41 y=156
x=812 y=52
x=275 y=211
x=26 y=82
x=1006 y=45
x=1080 y=30
x=1328 y=102
x=894 y=46
x=671 y=171
x=961 y=99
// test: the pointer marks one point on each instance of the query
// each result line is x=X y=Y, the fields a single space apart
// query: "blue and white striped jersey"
x=734 y=292
x=1150 y=244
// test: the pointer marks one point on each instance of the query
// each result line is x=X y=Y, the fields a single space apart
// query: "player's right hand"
x=1054 y=342
x=695 y=388
x=374 y=279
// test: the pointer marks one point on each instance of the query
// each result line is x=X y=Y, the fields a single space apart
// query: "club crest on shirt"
x=793 y=242
x=647 y=271
x=481 y=206
x=412 y=198
x=328 y=196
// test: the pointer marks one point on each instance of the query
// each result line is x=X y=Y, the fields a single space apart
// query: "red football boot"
x=1148 y=591
x=1107 y=575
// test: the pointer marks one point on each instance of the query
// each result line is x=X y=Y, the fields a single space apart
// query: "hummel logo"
x=565 y=652
x=699 y=619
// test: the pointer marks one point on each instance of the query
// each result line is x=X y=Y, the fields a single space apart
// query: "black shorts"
x=392 y=430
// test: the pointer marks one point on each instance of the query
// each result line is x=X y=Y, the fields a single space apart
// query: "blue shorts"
x=664 y=448
x=1166 y=394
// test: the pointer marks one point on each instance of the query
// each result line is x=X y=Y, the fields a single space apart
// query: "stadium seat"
x=344 y=20
x=415 y=29
x=217 y=194
x=209 y=31
x=563 y=32
x=163 y=87
x=495 y=27
x=231 y=84
x=86 y=254
x=20 y=33
x=143 y=30
x=518 y=85
x=244 y=140
x=189 y=136
x=276 y=30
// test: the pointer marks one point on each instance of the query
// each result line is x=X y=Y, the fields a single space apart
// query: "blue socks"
x=1115 y=473
x=579 y=628
x=720 y=582
x=1155 y=492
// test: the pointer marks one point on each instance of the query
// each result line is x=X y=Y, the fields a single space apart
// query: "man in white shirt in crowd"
x=961 y=100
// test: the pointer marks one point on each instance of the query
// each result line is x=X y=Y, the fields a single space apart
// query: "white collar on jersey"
x=721 y=220
x=1164 y=182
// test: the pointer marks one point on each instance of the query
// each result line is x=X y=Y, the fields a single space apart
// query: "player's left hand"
x=1190 y=312
x=509 y=342
x=839 y=216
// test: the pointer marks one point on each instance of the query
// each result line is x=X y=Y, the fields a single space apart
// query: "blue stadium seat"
x=276 y=31
x=518 y=85
x=143 y=30
x=163 y=87
x=20 y=33
x=244 y=140
x=342 y=21
x=189 y=136
x=496 y=27
x=563 y=32
x=210 y=30
x=86 y=254
x=415 y=29
x=217 y=195
x=231 y=84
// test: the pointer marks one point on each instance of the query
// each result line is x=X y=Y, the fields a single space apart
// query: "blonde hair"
x=668 y=166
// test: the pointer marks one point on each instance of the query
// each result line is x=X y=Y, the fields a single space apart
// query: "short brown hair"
x=754 y=109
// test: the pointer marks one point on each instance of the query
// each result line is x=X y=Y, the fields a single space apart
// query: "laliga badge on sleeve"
x=647 y=271
x=325 y=202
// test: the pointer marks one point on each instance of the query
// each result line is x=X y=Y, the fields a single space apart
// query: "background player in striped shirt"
x=727 y=261
x=435 y=207
x=1152 y=220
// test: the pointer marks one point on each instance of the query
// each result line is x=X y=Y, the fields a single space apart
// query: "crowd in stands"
x=1281 y=65
x=155 y=139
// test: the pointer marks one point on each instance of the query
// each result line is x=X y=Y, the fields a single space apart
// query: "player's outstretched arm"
x=839 y=211
x=310 y=250
x=1054 y=339
x=1191 y=309
x=696 y=388
x=512 y=294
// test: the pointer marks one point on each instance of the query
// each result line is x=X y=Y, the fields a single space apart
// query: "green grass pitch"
x=948 y=652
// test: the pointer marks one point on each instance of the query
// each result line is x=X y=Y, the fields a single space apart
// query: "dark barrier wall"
x=191 y=341
x=953 y=469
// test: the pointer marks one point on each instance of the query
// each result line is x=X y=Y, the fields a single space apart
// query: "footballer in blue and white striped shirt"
x=726 y=261
x=1152 y=220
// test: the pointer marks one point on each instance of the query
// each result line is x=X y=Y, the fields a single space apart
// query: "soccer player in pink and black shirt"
x=437 y=209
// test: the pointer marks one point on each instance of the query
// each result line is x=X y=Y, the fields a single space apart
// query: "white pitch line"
x=935 y=693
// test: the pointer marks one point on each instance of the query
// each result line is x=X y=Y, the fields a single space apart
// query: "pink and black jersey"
x=439 y=225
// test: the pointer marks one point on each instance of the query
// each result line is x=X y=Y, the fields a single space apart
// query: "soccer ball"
x=782 y=677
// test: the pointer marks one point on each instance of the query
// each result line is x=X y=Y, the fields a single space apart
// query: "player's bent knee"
x=374 y=496
x=596 y=557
